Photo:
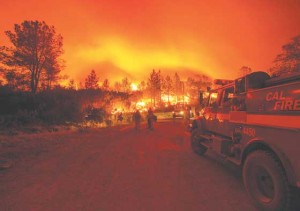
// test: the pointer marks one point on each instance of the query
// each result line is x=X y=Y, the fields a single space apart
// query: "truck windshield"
x=228 y=94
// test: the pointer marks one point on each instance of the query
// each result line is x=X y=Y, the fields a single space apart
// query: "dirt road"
x=116 y=169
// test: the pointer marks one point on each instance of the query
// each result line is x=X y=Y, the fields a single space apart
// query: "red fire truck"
x=254 y=122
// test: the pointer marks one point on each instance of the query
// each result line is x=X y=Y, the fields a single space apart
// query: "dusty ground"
x=115 y=169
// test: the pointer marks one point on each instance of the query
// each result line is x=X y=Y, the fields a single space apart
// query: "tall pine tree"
x=91 y=82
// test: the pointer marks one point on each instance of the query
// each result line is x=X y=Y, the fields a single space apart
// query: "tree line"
x=157 y=85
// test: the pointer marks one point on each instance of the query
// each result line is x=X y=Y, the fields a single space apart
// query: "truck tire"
x=265 y=181
x=196 y=146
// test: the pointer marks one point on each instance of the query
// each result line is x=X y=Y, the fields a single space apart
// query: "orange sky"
x=121 y=38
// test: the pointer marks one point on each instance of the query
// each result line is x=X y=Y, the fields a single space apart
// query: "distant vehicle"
x=178 y=113
x=254 y=122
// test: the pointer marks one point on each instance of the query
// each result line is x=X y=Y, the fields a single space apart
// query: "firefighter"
x=137 y=119
x=120 y=117
x=150 y=119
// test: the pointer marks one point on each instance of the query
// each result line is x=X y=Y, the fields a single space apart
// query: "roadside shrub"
x=25 y=117
x=59 y=106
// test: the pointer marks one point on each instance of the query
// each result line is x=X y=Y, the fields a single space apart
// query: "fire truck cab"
x=254 y=122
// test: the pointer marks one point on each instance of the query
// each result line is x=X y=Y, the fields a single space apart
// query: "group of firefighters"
x=137 y=118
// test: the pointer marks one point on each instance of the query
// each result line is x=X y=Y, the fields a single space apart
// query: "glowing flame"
x=134 y=87
x=214 y=95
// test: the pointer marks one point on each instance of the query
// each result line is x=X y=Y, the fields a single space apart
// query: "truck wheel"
x=266 y=182
x=197 y=147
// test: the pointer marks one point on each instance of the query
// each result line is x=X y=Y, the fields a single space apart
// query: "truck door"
x=226 y=101
x=223 y=126
x=210 y=111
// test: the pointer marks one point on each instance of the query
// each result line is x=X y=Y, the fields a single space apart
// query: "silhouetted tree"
x=51 y=75
x=91 y=82
x=71 y=84
x=36 y=50
x=195 y=84
x=80 y=85
x=178 y=88
x=125 y=85
x=3 y=56
x=154 y=84
x=244 y=70
x=167 y=86
x=105 y=84
x=117 y=86
x=16 y=80
x=142 y=86
x=289 y=60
